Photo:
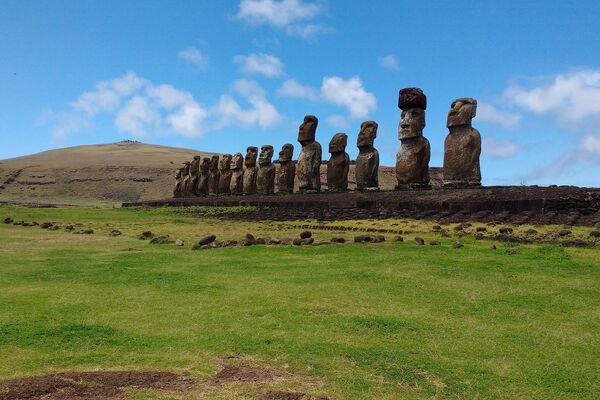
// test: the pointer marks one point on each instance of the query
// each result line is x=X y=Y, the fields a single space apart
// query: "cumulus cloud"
x=263 y=64
x=140 y=107
x=349 y=93
x=389 y=62
x=292 y=88
x=338 y=121
x=488 y=113
x=290 y=15
x=498 y=149
x=194 y=57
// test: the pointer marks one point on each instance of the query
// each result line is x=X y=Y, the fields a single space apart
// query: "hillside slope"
x=94 y=174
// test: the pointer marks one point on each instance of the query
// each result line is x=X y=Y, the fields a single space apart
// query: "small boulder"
x=444 y=233
x=458 y=227
x=436 y=228
x=338 y=240
x=206 y=240
x=531 y=232
x=363 y=239
x=69 y=228
x=457 y=245
x=481 y=229
x=18 y=222
x=286 y=241
x=303 y=242
x=305 y=235
x=564 y=232
x=146 y=235
x=398 y=238
x=8 y=220
x=249 y=240
x=493 y=247
x=46 y=225
x=595 y=234
x=115 y=232
x=85 y=232
x=505 y=230
x=179 y=242
x=419 y=241
x=378 y=239
x=164 y=239
x=479 y=236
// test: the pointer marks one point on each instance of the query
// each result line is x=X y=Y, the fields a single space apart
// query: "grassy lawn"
x=352 y=321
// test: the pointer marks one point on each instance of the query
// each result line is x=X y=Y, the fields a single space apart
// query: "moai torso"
x=194 y=173
x=287 y=170
x=265 y=178
x=177 y=192
x=338 y=164
x=367 y=162
x=186 y=184
x=308 y=170
x=203 y=176
x=213 y=176
x=249 y=185
x=462 y=146
x=236 y=185
x=225 y=174
x=412 y=161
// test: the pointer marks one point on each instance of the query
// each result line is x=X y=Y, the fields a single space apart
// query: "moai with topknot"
x=237 y=176
x=213 y=175
x=265 y=177
x=367 y=162
x=308 y=170
x=287 y=169
x=250 y=171
x=203 y=177
x=412 y=161
x=225 y=174
x=462 y=146
x=338 y=164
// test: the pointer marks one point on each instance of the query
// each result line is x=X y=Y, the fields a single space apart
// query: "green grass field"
x=353 y=321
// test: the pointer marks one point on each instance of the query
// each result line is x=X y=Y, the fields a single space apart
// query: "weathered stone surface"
x=194 y=174
x=225 y=174
x=303 y=242
x=339 y=164
x=46 y=225
x=115 y=232
x=179 y=242
x=178 y=190
x=305 y=234
x=457 y=245
x=250 y=170
x=187 y=187
x=8 y=220
x=338 y=240
x=398 y=238
x=164 y=239
x=309 y=161
x=145 y=235
x=287 y=170
x=213 y=175
x=265 y=177
x=412 y=161
x=462 y=146
x=237 y=176
x=206 y=240
x=367 y=162
x=419 y=241
x=203 y=177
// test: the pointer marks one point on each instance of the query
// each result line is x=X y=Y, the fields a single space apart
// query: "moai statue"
x=177 y=191
x=308 y=170
x=265 y=178
x=462 y=147
x=213 y=175
x=186 y=185
x=339 y=164
x=225 y=174
x=287 y=170
x=249 y=186
x=412 y=161
x=367 y=162
x=237 y=176
x=194 y=173
x=203 y=177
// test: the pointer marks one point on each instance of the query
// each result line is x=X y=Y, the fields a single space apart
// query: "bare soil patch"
x=90 y=385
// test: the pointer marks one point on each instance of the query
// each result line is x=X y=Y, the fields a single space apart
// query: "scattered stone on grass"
x=179 y=242
x=305 y=235
x=8 y=220
x=398 y=238
x=286 y=241
x=163 y=239
x=249 y=240
x=512 y=250
x=479 y=236
x=444 y=233
x=206 y=240
x=419 y=241
x=457 y=245
x=46 y=225
x=18 y=223
x=595 y=234
x=338 y=240
x=481 y=229
x=493 y=247
x=303 y=242
x=436 y=228
x=146 y=235
x=84 y=232
x=69 y=228
x=531 y=232
x=115 y=232
x=564 y=232
x=505 y=230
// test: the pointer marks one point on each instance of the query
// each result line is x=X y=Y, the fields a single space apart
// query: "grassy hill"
x=93 y=175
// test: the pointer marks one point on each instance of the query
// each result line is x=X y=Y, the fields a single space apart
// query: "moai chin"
x=367 y=162
x=287 y=169
x=249 y=186
x=412 y=160
x=225 y=174
x=338 y=164
x=308 y=170
x=213 y=175
x=194 y=173
x=203 y=177
x=237 y=175
x=265 y=177
x=462 y=146
x=177 y=191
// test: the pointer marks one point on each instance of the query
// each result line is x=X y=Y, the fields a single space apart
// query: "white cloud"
x=194 y=57
x=292 y=88
x=350 y=94
x=289 y=15
x=498 y=149
x=390 y=62
x=135 y=117
x=591 y=144
x=261 y=63
x=338 y=121
x=488 y=113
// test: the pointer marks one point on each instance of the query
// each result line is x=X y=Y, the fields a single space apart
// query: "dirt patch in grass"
x=90 y=385
x=247 y=374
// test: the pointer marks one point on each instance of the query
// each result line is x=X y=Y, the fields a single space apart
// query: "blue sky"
x=223 y=75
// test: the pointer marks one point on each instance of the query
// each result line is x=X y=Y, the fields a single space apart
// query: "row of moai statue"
x=238 y=175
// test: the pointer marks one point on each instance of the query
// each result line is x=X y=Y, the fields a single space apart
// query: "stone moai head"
x=286 y=153
x=412 y=102
x=237 y=161
x=367 y=134
x=338 y=143
x=214 y=163
x=266 y=155
x=225 y=163
x=308 y=129
x=186 y=167
x=204 y=164
x=462 y=111
x=251 y=154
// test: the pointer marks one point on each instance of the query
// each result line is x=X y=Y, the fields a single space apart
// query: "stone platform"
x=512 y=204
